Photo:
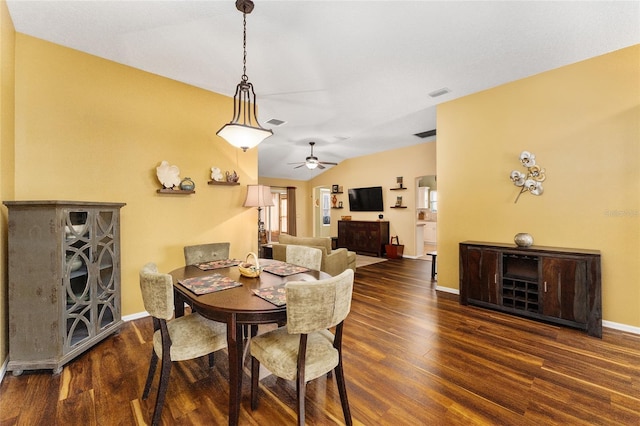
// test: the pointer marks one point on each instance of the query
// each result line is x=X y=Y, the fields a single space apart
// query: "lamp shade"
x=258 y=196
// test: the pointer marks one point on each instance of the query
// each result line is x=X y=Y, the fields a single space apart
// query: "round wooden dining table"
x=237 y=306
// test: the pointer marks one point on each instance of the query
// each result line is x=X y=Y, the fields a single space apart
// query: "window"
x=276 y=216
x=433 y=201
x=325 y=203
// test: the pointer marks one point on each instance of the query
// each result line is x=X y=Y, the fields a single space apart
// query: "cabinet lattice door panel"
x=64 y=280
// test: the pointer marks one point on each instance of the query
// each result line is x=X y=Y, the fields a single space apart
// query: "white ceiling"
x=353 y=76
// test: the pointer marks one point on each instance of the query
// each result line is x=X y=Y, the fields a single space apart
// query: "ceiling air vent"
x=439 y=92
x=426 y=134
x=276 y=122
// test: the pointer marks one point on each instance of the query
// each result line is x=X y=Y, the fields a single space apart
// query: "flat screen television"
x=366 y=199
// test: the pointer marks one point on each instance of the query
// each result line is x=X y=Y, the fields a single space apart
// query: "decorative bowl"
x=73 y=230
x=523 y=239
x=250 y=270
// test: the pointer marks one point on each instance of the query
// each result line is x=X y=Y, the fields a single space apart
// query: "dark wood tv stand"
x=368 y=237
x=552 y=284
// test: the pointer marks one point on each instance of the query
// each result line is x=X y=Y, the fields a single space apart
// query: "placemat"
x=209 y=283
x=275 y=294
x=283 y=269
x=217 y=264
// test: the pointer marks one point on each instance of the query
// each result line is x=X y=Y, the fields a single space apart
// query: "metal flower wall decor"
x=531 y=180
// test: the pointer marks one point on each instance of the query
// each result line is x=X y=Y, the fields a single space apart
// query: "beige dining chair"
x=206 y=253
x=183 y=338
x=305 y=349
x=305 y=256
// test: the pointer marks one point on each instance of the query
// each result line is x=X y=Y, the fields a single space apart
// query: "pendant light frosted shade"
x=243 y=136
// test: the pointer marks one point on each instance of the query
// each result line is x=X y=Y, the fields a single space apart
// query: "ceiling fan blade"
x=297 y=167
x=297 y=162
x=320 y=166
x=327 y=163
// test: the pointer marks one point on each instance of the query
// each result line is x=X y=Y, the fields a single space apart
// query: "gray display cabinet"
x=64 y=280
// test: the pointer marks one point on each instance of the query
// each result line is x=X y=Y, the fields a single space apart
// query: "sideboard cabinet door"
x=481 y=273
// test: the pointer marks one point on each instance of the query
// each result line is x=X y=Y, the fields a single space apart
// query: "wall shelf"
x=398 y=207
x=215 y=182
x=175 y=191
x=397 y=189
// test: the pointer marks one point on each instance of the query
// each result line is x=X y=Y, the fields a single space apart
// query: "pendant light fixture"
x=244 y=131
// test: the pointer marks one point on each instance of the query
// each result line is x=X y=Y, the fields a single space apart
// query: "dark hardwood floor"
x=413 y=356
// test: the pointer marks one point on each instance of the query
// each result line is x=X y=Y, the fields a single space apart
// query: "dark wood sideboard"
x=557 y=285
x=368 y=237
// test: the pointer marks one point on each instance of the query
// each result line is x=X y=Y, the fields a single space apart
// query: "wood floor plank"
x=412 y=356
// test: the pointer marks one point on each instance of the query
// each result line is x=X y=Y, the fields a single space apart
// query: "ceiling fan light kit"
x=244 y=131
x=311 y=162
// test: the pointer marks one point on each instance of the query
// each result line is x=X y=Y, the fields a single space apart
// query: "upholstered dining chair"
x=206 y=253
x=187 y=337
x=305 y=349
x=308 y=257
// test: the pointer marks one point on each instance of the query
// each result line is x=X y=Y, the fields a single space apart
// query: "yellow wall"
x=91 y=129
x=582 y=122
x=381 y=169
x=7 y=75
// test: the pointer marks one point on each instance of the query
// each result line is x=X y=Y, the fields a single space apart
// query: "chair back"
x=157 y=292
x=206 y=253
x=308 y=257
x=318 y=305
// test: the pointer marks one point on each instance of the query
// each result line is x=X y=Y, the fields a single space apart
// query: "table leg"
x=234 y=347
x=178 y=304
x=433 y=266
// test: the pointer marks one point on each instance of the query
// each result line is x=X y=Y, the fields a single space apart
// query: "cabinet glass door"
x=76 y=277
x=106 y=279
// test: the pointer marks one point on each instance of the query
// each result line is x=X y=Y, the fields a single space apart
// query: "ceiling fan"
x=312 y=161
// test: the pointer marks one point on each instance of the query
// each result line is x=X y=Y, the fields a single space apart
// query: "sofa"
x=334 y=262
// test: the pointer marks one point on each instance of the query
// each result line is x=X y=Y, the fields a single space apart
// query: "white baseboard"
x=621 y=327
x=3 y=370
x=447 y=289
x=135 y=316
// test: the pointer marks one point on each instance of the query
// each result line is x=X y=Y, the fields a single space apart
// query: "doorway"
x=321 y=211
x=426 y=215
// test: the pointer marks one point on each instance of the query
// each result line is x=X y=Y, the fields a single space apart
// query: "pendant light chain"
x=244 y=46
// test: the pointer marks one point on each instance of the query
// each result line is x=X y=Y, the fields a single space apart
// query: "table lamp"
x=259 y=196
